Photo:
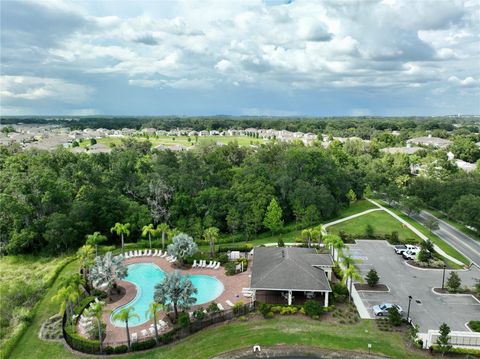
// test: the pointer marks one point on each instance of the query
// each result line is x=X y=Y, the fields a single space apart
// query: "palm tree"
x=125 y=315
x=95 y=239
x=121 y=230
x=153 y=308
x=85 y=255
x=148 y=230
x=348 y=260
x=106 y=271
x=334 y=242
x=163 y=227
x=351 y=272
x=66 y=296
x=318 y=234
x=307 y=235
x=211 y=235
x=96 y=310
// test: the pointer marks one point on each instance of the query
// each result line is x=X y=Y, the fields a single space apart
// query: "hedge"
x=470 y=351
x=10 y=343
x=83 y=304
x=145 y=344
x=241 y=248
x=82 y=344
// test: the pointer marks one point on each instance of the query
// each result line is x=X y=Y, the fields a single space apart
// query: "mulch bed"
x=445 y=291
x=118 y=294
x=377 y=288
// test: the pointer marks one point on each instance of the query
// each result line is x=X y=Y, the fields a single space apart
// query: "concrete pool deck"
x=232 y=291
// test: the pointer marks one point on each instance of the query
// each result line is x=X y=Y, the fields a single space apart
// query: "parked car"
x=399 y=249
x=411 y=254
x=382 y=309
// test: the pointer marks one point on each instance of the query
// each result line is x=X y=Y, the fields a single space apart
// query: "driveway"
x=428 y=309
x=469 y=247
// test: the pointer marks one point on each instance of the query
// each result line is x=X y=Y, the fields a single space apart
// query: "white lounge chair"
x=194 y=265
x=159 y=254
x=229 y=303
x=155 y=252
x=210 y=265
x=164 y=254
x=126 y=256
x=134 y=337
x=137 y=253
x=204 y=265
x=152 y=330
x=220 y=306
x=144 y=333
x=217 y=266
x=130 y=254
x=149 y=252
x=172 y=260
x=144 y=252
x=162 y=323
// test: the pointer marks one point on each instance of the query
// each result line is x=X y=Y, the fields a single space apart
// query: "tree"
x=351 y=195
x=153 y=308
x=96 y=310
x=211 y=236
x=443 y=340
x=334 y=242
x=432 y=224
x=369 y=231
x=411 y=205
x=85 y=256
x=106 y=271
x=426 y=251
x=350 y=274
x=163 y=228
x=69 y=291
x=392 y=194
x=176 y=290
x=121 y=230
x=273 y=217
x=182 y=247
x=394 y=316
x=159 y=197
x=413 y=333
x=94 y=240
x=124 y=315
x=372 y=278
x=467 y=209
x=453 y=282
x=148 y=231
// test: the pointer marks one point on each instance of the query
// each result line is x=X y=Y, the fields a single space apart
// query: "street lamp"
x=443 y=277
x=408 y=310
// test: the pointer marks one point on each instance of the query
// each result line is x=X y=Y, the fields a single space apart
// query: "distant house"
x=203 y=133
x=290 y=275
x=406 y=150
x=430 y=141
x=466 y=166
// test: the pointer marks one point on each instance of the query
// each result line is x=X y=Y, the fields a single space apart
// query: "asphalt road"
x=466 y=245
x=428 y=309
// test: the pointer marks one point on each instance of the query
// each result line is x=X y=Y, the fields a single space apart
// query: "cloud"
x=466 y=82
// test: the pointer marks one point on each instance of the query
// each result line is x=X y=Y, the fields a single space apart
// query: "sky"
x=257 y=58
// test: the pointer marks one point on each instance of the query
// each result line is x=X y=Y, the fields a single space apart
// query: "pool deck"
x=232 y=291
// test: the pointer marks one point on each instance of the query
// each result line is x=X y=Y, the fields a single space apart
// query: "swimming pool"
x=146 y=275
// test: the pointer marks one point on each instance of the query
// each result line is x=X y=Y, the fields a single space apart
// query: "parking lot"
x=428 y=309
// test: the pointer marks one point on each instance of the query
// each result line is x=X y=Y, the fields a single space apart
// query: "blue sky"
x=323 y=58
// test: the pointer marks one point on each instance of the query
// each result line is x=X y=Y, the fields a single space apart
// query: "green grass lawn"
x=433 y=237
x=382 y=223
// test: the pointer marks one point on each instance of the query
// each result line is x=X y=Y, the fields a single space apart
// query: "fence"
x=93 y=346
x=457 y=339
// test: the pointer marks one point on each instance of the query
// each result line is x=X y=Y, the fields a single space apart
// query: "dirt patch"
x=377 y=288
x=118 y=294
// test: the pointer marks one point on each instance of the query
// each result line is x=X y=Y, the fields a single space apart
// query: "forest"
x=49 y=201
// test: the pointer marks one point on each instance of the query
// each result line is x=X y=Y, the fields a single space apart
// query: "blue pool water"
x=146 y=275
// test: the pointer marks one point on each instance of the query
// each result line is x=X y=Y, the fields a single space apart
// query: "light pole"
x=443 y=276
x=408 y=310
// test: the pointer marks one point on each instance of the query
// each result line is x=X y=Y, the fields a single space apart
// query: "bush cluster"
x=312 y=308
x=143 y=345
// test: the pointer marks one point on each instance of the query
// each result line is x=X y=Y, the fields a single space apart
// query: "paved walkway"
x=232 y=291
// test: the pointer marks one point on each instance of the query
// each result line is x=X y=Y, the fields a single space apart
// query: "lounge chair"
x=155 y=253
x=152 y=330
x=210 y=265
x=220 y=306
x=203 y=264
x=194 y=265
x=134 y=337
x=229 y=303
x=130 y=254
x=126 y=256
x=162 y=323
x=174 y=259
x=149 y=252
x=217 y=266
x=144 y=333
x=137 y=254
x=164 y=254
x=159 y=254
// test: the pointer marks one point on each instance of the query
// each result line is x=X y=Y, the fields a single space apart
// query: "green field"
x=180 y=140
x=382 y=223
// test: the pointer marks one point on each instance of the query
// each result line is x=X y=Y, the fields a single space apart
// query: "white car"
x=411 y=254
x=382 y=309
x=400 y=249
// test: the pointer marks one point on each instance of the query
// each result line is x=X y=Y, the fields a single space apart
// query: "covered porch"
x=290 y=297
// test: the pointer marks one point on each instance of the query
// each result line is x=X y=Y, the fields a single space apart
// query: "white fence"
x=457 y=339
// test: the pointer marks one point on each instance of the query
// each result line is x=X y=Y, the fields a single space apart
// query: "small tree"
x=121 y=230
x=152 y=311
x=394 y=237
x=96 y=310
x=176 y=290
x=432 y=224
x=280 y=243
x=369 y=231
x=411 y=205
x=148 y=231
x=106 y=271
x=453 y=282
x=394 y=316
x=94 y=240
x=163 y=228
x=182 y=247
x=372 y=278
x=443 y=340
x=312 y=308
x=351 y=195
x=273 y=217
x=85 y=256
x=124 y=315
x=211 y=236
x=413 y=333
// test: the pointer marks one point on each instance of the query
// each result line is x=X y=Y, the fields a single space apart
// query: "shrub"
x=280 y=243
x=394 y=317
x=199 y=314
x=83 y=304
x=145 y=344
x=372 y=278
x=394 y=238
x=109 y=350
x=474 y=325
x=269 y=315
x=238 y=307
x=241 y=248
x=230 y=268
x=242 y=318
x=213 y=308
x=120 y=349
x=312 y=308
x=264 y=309
x=80 y=343
x=222 y=258
x=340 y=292
x=183 y=320
x=369 y=231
